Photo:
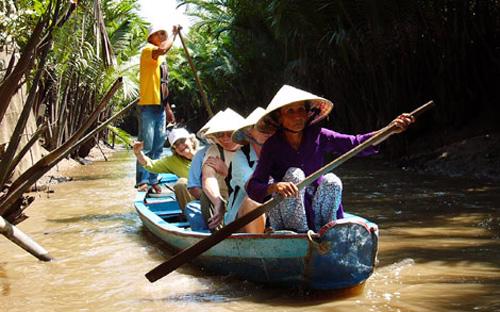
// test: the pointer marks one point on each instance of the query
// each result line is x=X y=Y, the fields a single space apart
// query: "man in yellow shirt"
x=153 y=105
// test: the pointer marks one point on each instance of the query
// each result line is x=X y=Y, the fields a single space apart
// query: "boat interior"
x=165 y=205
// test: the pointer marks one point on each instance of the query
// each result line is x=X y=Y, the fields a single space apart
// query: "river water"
x=439 y=250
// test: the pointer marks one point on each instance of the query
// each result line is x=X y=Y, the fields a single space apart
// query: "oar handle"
x=376 y=139
x=417 y=112
x=189 y=253
x=196 y=77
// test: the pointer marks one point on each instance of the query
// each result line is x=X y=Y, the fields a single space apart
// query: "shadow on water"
x=4 y=282
x=108 y=177
x=236 y=290
x=448 y=257
x=125 y=223
x=131 y=216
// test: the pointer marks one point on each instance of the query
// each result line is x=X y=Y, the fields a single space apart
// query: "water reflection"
x=4 y=282
x=439 y=250
x=130 y=216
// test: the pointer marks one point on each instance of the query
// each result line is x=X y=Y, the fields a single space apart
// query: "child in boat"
x=244 y=162
x=183 y=146
x=296 y=150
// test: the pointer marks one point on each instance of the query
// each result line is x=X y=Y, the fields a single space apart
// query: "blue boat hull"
x=341 y=255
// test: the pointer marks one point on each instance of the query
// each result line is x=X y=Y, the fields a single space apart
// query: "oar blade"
x=167 y=267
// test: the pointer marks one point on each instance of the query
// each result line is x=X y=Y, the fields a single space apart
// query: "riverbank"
x=472 y=152
x=477 y=157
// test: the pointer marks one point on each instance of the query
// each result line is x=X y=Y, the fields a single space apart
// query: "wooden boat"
x=341 y=255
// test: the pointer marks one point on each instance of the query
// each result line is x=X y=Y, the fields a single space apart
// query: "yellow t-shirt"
x=150 y=76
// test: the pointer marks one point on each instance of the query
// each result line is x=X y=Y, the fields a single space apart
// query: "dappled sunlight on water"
x=439 y=250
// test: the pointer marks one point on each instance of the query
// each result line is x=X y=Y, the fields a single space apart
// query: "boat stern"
x=342 y=254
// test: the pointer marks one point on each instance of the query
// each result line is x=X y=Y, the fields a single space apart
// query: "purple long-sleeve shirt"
x=277 y=156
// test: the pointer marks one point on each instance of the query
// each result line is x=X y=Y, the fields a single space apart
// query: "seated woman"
x=193 y=211
x=216 y=168
x=244 y=162
x=194 y=178
x=296 y=150
x=183 y=146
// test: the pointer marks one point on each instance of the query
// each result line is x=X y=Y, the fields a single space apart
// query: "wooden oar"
x=190 y=253
x=196 y=78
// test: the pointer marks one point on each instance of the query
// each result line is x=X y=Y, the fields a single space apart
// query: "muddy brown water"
x=439 y=250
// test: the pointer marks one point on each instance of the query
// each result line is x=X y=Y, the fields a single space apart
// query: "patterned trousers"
x=290 y=213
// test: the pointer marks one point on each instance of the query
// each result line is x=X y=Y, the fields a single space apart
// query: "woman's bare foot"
x=142 y=187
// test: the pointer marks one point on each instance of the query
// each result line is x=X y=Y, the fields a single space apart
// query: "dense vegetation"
x=85 y=55
x=72 y=59
x=374 y=59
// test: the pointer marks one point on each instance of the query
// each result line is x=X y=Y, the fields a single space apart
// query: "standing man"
x=153 y=102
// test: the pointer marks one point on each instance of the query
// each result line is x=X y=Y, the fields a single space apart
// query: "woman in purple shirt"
x=296 y=150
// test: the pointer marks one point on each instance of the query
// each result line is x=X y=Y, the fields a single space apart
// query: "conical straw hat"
x=319 y=107
x=201 y=132
x=229 y=120
x=239 y=136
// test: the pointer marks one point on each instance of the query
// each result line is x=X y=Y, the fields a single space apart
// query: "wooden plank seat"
x=168 y=212
x=184 y=224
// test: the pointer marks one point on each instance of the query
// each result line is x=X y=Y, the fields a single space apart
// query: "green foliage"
x=120 y=136
x=77 y=73
x=17 y=19
x=374 y=59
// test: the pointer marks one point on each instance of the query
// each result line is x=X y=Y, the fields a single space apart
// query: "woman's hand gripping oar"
x=190 y=253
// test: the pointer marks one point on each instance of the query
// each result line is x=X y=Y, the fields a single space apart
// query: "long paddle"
x=189 y=253
x=196 y=78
